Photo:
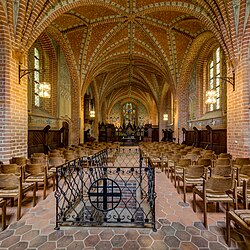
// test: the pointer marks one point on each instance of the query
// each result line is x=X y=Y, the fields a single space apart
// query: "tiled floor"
x=178 y=228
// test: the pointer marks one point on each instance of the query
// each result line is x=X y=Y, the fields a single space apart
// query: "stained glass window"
x=129 y=113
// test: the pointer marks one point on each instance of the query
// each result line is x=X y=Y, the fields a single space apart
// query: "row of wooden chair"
x=213 y=178
x=23 y=175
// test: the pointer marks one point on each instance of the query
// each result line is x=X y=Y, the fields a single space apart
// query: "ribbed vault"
x=127 y=48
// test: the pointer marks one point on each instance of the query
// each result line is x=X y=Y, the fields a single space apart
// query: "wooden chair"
x=225 y=155
x=222 y=161
x=222 y=170
x=69 y=155
x=21 y=161
x=204 y=161
x=12 y=169
x=216 y=189
x=193 y=157
x=240 y=161
x=39 y=173
x=172 y=160
x=12 y=187
x=241 y=218
x=242 y=173
x=211 y=156
x=191 y=176
x=3 y=206
x=54 y=162
x=178 y=168
x=243 y=193
x=39 y=160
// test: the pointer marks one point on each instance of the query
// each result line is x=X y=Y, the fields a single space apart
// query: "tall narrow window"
x=36 y=76
x=214 y=80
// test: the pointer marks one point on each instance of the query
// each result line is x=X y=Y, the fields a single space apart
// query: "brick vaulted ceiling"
x=133 y=47
x=137 y=48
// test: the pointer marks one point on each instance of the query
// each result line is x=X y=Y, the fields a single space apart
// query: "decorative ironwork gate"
x=97 y=192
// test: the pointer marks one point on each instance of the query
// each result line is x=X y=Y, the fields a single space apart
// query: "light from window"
x=36 y=76
x=214 y=81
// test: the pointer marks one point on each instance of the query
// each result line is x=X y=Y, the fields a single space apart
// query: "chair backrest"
x=196 y=171
x=222 y=170
x=225 y=155
x=184 y=162
x=39 y=155
x=211 y=156
x=175 y=157
x=241 y=161
x=192 y=157
x=245 y=170
x=195 y=151
x=10 y=169
x=220 y=184
x=18 y=160
x=222 y=161
x=34 y=169
x=55 y=154
x=183 y=152
x=55 y=151
x=204 y=161
x=38 y=160
x=56 y=161
x=207 y=151
x=189 y=148
x=69 y=155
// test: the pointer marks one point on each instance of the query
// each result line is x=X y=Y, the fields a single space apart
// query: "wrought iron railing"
x=94 y=192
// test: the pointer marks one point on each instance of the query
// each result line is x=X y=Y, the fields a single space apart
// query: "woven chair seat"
x=193 y=180
x=39 y=173
x=215 y=195
x=39 y=176
x=241 y=218
x=35 y=177
x=216 y=189
x=244 y=215
x=9 y=191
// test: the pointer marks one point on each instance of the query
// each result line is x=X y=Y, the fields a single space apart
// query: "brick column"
x=238 y=127
x=14 y=108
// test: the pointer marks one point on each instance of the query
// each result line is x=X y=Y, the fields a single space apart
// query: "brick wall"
x=238 y=127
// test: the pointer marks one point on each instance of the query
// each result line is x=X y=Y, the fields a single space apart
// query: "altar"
x=129 y=141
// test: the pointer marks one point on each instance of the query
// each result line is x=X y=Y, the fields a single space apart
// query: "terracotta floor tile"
x=178 y=227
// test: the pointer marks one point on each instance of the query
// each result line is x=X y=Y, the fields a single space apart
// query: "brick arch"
x=196 y=11
x=76 y=81
x=181 y=91
x=64 y=8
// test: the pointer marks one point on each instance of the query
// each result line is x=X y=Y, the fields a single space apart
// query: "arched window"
x=36 y=77
x=213 y=87
x=129 y=113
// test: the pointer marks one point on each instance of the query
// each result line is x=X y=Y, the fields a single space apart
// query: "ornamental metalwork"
x=114 y=187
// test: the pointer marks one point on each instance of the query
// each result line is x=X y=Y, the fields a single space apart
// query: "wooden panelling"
x=39 y=141
x=215 y=139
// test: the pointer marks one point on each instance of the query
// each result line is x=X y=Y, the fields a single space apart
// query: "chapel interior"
x=165 y=77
